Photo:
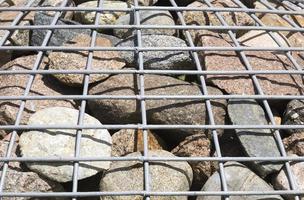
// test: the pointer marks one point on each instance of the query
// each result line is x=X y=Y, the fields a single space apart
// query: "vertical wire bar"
x=84 y=102
x=26 y=93
x=260 y=92
x=15 y=22
x=140 y=61
x=208 y=103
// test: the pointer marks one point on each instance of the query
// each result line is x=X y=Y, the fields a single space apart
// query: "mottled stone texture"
x=294 y=115
x=294 y=144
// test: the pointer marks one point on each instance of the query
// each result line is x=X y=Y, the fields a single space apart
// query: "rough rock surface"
x=196 y=146
x=14 y=85
x=3 y=150
x=102 y=60
x=144 y=2
x=61 y=143
x=294 y=115
x=88 y=17
x=281 y=182
x=147 y=17
x=60 y=36
x=165 y=176
x=295 y=38
x=294 y=144
x=158 y=59
x=282 y=84
x=158 y=111
x=199 y=18
x=255 y=142
x=23 y=182
x=239 y=178
x=127 y=141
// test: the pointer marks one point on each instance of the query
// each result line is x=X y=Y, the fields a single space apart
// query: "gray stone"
x=281 y=182
x=144 y=2
x=294 y=115
x=60 y=36
x=239 y=178
x=61 y=143
x=102 y=60
x=88 y=17
x=197 y=146
x=255 y=142
x=147 y=18
x=43 y=85
x=159 y=59
x=165 y=176
x=25 y=182
x=163 y=111
x=127 y=141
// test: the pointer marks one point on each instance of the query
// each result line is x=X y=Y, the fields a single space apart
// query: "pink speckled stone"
x=271 y=84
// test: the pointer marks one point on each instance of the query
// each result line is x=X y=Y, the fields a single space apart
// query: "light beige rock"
x=61 y=143
x=281 y=180
x=102 y=60
x=88 y=17
x=144 y=2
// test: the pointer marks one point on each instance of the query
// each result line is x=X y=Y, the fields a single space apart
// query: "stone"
x=43 y=85
x=88 y=17
x=3 y=150
x=253 y=39
x=296 y=39
x=24 y=182
x=255 y=142
x=294 y=144
x=163 y=111
x=147 y=17
x=238 y=178
x=164 y=176
x=196 y=146
x=143 y=2
x=158 y=59
x=60 y=36
x=294 y=115
x=127 y=141
x=281 y=182
x=102 y=60
x=199 y=18
x=61 y=143
x=259 y=60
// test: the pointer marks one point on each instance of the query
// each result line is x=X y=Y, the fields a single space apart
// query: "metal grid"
x=141 y=72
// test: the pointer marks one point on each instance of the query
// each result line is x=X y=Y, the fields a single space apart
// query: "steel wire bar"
x=295 y=7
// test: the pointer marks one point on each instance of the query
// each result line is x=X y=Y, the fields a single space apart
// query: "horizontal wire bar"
x=206 y=48
x=151 y=97
x=142 y=193
x=179 y=27
x=155 y=8
x=150 y=159
x=161 y=72
x=149 y=126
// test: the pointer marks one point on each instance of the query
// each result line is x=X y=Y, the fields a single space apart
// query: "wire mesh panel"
x=151 y=99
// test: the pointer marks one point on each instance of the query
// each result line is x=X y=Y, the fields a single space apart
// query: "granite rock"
x=88 y=17
x=102 y=60
x=164 y=111
x=143 y=2
x=294 y=144
x=281 y=182
x=238 y=178
x=274 y=84
x=127 y=141
x=14 y=85
x=147 y=18
x=61 y=143
x=158 y=59
x=255 y=142
x=3 y=150
x=295 y=38
x=294 y=115
x=196 y=146
x=60 y=36
x=199 y=18
x=165 y=176
x=24 y=182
